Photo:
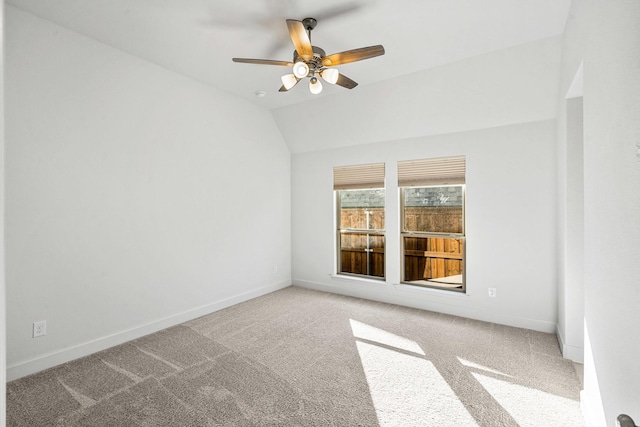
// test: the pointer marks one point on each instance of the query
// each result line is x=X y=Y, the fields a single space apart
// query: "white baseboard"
x=571 y=352
x=438 y=300
x=55 y=358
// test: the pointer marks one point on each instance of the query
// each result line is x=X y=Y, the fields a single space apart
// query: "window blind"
x=438 y=171
x=358 y=176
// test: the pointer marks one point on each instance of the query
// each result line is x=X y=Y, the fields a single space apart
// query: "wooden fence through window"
x=359 y=250
x=425 y=258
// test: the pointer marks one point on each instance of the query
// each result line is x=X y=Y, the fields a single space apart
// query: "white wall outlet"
x=492 y=292
x=39 y=328
x=275 y=269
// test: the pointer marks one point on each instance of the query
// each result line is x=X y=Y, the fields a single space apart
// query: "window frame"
x=432 y=234
x=368 y=232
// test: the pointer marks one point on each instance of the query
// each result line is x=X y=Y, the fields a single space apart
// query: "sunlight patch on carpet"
x=406 y=389
x=470 y=364
x=531 y=407
x=371 y=333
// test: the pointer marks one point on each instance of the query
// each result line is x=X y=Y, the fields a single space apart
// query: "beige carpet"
x=298 y=357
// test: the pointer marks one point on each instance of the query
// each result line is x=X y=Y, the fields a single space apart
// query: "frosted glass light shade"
x=289 y=81
x=315 y=86
x=300 y=69
x=330 y=75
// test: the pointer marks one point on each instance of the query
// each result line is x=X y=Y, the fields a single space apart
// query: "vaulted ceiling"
x=198 y=38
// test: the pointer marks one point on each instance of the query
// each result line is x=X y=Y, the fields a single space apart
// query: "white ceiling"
x=198 y=38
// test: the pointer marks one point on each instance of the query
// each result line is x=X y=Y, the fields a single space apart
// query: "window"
x=360 y=236
x=432 y=197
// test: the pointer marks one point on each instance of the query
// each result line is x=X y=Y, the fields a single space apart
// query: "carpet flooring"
x=298 y=357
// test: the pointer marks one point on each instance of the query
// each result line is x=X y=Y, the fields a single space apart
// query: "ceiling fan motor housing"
x=315 y=64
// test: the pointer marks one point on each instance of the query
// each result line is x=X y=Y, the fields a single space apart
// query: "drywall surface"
x=601 y=38
x=612 y=206
x=571 y=230
x=136 y=197
x=3 y=329
x=510 y=223
x=571 y=186
x=505 y=87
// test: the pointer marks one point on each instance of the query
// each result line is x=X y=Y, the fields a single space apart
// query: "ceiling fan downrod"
x=309 y=24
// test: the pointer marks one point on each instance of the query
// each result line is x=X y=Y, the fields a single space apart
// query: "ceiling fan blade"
x=300 y=39
x=345 y=81
x=263 y=62
x=352 y=55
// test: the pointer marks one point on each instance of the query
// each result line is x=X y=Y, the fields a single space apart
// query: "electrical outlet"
x=39 y=328
x=492 y=292
x=275 y=269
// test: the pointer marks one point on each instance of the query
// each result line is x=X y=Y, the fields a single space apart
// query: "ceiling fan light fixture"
x=315 y=86
x=289 y=81
x=330 y=75
x=313 y=62
x=300 y=69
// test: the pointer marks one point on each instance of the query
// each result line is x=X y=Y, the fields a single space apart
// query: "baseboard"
x=571 y=352
x=52 y=359
x=439 y=301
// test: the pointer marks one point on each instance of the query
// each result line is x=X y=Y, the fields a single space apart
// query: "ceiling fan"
x=312 y=61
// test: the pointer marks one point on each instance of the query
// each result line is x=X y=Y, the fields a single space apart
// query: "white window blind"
x=438 y=171
x=358 y=176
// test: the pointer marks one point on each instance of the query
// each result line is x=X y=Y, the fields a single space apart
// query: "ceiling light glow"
x=300 y=69
x=289 y=81
x=330 y=75
x=315 y=86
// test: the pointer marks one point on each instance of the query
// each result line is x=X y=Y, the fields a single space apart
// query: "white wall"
x=510 y=223
x=136 y=198
x=505 y=87
x=3 y=329
x=612 y=206
x=571 y=229
x=603 y=36
x=499 y=111
x=571 y=186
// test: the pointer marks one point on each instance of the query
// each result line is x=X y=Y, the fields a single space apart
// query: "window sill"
x=352 y=279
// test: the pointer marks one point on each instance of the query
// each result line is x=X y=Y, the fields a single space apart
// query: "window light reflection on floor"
x=470 y=364
x=532 y=407
x=528 y=406
x=371 y=333
x=405 y=387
